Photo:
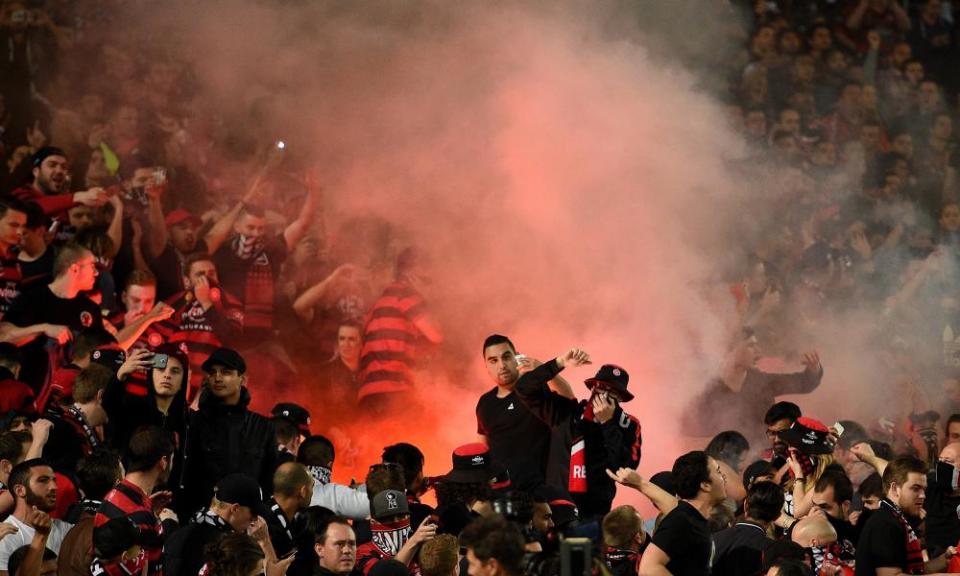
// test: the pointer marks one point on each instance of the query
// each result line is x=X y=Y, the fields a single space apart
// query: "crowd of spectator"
x=163 y=278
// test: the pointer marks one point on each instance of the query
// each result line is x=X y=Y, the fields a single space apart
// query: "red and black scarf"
x=914 y=549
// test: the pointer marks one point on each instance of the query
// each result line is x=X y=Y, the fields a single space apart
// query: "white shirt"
x=24 y=535
x=342 y=500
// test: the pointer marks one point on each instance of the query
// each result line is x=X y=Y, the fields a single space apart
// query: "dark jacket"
x=129 y=411
x=223 y=440
x=184 y=550
x=614 y=444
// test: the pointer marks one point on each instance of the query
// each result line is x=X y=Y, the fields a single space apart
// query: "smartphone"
x=160 y=361
x=575 y=557
x=289 y=554
x=54 y=227
x=839 y=428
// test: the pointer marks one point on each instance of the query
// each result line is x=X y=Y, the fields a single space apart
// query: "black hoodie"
x=221 y=440
x=128 y=412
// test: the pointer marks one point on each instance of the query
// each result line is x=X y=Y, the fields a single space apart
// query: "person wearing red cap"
x=170 y=239
x=605 y=437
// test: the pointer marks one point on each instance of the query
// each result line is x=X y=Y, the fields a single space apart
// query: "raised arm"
x=295 y=230
x=534 y=392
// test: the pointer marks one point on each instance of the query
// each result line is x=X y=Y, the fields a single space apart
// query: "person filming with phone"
x=165 y=402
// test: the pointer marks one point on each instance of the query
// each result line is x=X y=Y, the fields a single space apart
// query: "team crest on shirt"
x=86 y=319
x=154 y=340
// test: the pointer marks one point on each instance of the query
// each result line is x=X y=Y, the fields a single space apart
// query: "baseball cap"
x=109 y=356
x=115 y=537
x=472 y=463
x=388 y=503
x=225 y=357
x=807 y=435
x=294 y=413
x=239 y=489
x=47 y=151
x=179 y=216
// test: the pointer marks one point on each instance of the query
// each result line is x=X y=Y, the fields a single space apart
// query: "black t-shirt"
x=168 y=269
x=739 y=549
x=882 y=544
x=517 y=439
x=38 y=305
x=943 y=519
x=183 y=552
x=39 y=270
x=684 y=536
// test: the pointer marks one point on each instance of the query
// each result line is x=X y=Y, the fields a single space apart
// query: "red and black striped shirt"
x=389 y=342
x=128 y=500
x=136 y=382
x=203 y=331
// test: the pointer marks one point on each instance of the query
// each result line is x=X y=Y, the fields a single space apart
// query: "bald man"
x=943 y=500
x=815 y=533
x=292 y=491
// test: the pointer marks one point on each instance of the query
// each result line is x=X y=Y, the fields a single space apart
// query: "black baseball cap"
x=388 y=503
x=47 y=151
x=224 y=357
x=115 y=537
x=295 y=413
x=239 y=489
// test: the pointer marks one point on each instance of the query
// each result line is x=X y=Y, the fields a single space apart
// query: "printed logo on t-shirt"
x=86 y=319
x=510 y=407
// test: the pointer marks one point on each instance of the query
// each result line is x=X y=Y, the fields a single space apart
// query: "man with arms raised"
x=517 y=438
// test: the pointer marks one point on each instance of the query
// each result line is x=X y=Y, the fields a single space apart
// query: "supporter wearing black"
x=682 y=543
x=743 y=392
x=336 y=548
x=623 y=540
x=943 y=501
x=833 y=495
x=224 y=436
x=13 y=218
x=36 y=256
x=165 y=404
x=410 y=458
x=204 y=316
x=51 y=185
x=494 y=547
x=292 y=424
x=118 y=549
x=249 y=261
x=779 y=418
x=517 y=438
x=339 y=374
x=52 y=313
x=170 y=240
x=235 y=504
x=605 y=437
x=317 y=454
x=96 y=474
x=292 y=491
x=74 y=433
x=739 y=549
x=888 y=544
x=149 y=460
x=59 y=390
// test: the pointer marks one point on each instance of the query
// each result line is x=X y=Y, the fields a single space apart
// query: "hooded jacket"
x=129 y=411
x=612 y=445
x=223 y=439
